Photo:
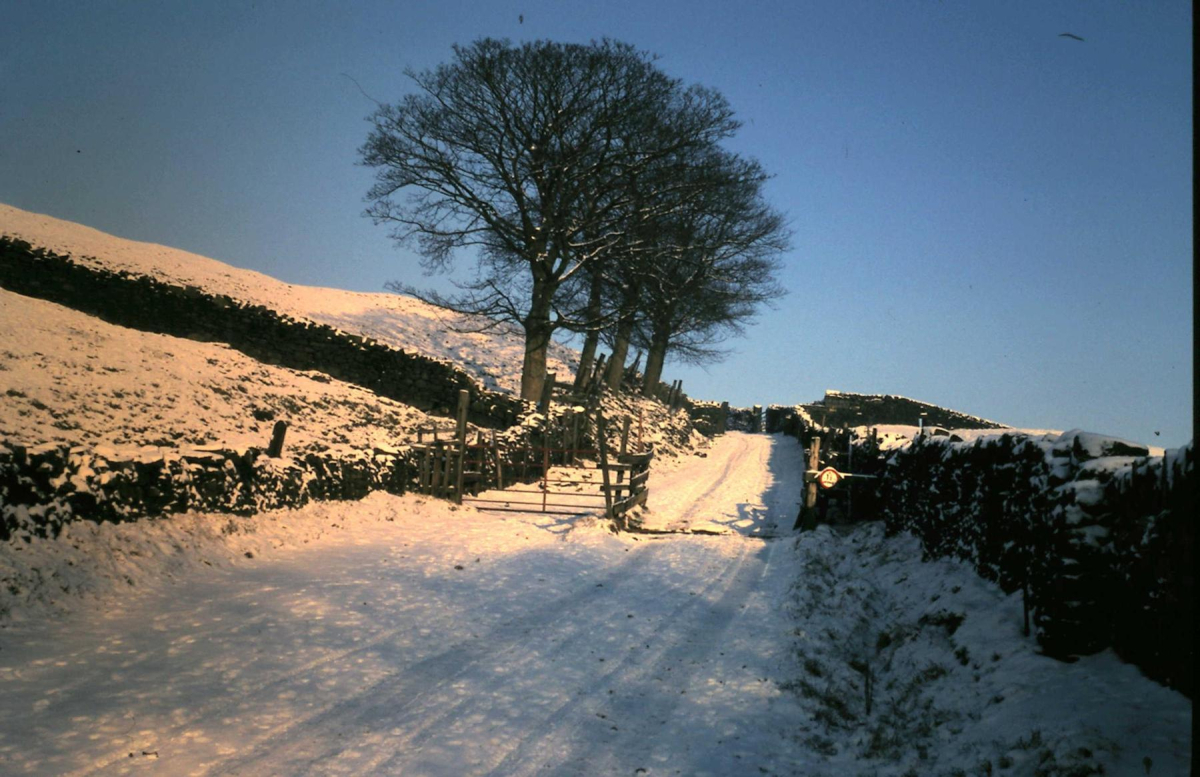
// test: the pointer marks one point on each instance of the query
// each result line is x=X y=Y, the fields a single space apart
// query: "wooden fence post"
x=570 y=433
x=597 y=378
x=545 y=475
x=277 y=434
x=547 y=395
x=499 y=464
x=464 y=402
x=632 y=369
x=850 y=483
x=435 y=482
x=807 y=520
x=600 y=434
x=624 y=450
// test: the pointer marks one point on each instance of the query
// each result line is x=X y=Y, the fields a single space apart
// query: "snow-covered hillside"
x=401 y=322
x=66 y=376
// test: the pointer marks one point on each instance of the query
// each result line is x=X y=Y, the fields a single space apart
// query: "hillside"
x=69 y=377
x=394 y=320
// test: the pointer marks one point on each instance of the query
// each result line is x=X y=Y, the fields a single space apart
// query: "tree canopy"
x=570 y=172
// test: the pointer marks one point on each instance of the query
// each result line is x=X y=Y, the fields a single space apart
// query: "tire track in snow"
x=701 y=501
x=642 y=751
x=745 y=467
x=226 y=706
x=468 y=658
x=570 y=723
x=421 y=714
x=692 y=500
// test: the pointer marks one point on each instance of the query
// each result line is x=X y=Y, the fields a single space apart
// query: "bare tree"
x=717 y=258
x=521 y=155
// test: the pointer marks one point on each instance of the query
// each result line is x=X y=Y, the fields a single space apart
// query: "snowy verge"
x=955 y=687
x=1102 y=542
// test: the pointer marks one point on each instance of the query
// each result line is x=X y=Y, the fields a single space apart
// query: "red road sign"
x=828 y=477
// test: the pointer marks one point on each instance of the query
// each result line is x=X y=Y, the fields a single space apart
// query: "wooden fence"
x=560 y=461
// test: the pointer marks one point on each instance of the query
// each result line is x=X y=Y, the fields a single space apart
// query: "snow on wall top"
x=401 y=322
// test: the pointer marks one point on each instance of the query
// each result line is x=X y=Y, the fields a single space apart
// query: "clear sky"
x=986 y=215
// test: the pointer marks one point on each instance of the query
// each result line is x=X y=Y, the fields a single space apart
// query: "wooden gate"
x=557 y=479
x=557 y=476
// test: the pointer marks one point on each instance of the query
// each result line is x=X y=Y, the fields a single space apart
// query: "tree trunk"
x=654 y=361
x=588 y=354
x=616 y=363
x=538 y=328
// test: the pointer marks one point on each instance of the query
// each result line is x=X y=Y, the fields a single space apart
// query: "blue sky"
x=986 y=215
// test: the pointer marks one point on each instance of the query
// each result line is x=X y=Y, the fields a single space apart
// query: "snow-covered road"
x=417 y=639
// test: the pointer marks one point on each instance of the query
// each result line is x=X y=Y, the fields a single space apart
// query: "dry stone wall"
x=844 y=409
x=1097 y=533
x=709 y=418
x=42 y=488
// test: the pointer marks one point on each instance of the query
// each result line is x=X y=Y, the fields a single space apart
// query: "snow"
x=402 y=635
x=957 y=687
x=398 y=321
x=69 y=377
x=399 y=635
x=893 y=436
x=1089 y=445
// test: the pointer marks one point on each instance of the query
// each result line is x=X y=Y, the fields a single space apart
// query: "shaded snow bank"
x=955 y=687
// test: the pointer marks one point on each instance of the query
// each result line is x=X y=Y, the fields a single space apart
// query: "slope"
x=401 y=322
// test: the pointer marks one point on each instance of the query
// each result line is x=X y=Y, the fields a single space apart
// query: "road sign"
x=828 y=477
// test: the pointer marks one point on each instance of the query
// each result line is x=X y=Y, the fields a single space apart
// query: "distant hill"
x=844 y=409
